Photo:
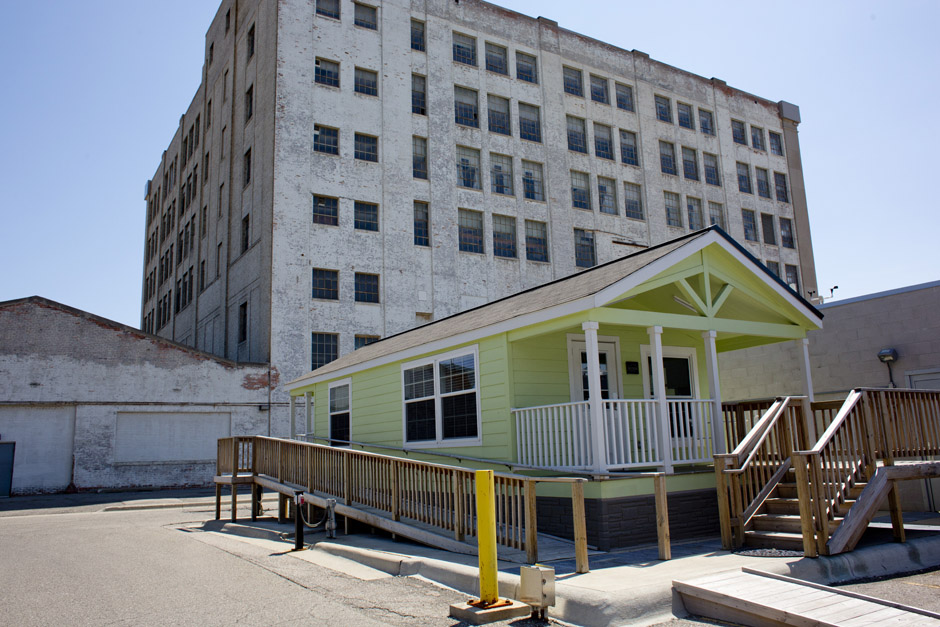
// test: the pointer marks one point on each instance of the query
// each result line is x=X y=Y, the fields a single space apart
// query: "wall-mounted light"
x=888 y=356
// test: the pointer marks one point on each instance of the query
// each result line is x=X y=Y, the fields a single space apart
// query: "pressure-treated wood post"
x=396 y=492
x=531 y=522
x=737 y=512
x=456 y=482
x=724 y=514
x=662 y=516
x=218 y=501
x=803 y=490
x=580 y=527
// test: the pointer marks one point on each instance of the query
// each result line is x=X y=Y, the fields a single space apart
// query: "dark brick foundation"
x=631 y=521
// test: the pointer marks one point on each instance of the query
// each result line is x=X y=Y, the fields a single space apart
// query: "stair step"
x=788 y=523
x=774 y=540
x=781 y=506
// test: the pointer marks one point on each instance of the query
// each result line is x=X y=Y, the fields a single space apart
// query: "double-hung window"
x=667 y=158
x=530 y=126
x=326 y=73
x=526 y=69
x=501 y=174
x=757 y=138
x=419 y=94
x=599 y=89
x=737 y=132
x=585 y=255
x=422 y=227
x=744 y=178
x=419 y=157
x=694 y=207
x=711 y=169
x=706 y=122
x=468 y=167
x=716 y=214
x=628 y=150
x=624 y=95
x=572 y=81
x=689 y=163
x=607 y=195
x=763 y=182
x=577 y=136
x=366 y=82
x=366 y=16
x=685 y=115
x=498 y=114
x=466 y=107
x=418 y=41
x=536 y=241
x=533 y=187
x=786 y=233
x=339 y=412
x=580 y=190
x=470 y=231
x=603 y=141
x=749 y=221
x=663 y=109
x=465 y=49
x=441 y=400
x=776 y=144
x=504 y=236
x=673 y=212
x=497 y=59
x=633 y=201
x=780 y=183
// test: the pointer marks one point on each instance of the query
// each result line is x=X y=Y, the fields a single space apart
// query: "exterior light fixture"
x=888 y=356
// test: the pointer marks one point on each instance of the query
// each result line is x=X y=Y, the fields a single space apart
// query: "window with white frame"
x=441 y=400
x=339 y=413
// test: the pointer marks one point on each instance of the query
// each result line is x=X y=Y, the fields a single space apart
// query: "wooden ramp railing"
x=419 y=500
x=747 y=476
x=873 y=428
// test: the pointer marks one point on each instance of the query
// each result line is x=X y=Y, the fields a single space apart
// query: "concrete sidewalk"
x=624 y=587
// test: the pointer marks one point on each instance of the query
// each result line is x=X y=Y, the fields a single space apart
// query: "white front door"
x=608 y=354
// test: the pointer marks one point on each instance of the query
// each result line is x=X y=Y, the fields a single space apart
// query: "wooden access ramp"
x=757 y=598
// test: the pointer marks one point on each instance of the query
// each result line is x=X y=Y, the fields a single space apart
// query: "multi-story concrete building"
x=348 y=170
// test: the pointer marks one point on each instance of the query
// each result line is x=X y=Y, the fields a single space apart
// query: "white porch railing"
x=560 y=436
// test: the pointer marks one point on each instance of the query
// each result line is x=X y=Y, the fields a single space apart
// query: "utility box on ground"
x=537 y=587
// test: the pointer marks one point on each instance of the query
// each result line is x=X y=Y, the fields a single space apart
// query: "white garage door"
x=169 y=437
x=44 y=438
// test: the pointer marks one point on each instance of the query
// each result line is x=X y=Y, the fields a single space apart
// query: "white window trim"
x=688 y=352
x=576 y=343
x=439 y=441
x=329 y=413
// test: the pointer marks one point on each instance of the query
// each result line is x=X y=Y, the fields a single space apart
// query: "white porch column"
x=807 y=376
x=308 y=404
x=595 y=402
x=714 y=389
x=293 y=414
x=659 y=393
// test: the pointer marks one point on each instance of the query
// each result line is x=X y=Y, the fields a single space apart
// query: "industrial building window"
x=667 y=158
x=694 y=209
x=628 y=151
x=607 y=195
x=600 y=92
x=776 y=144
x=750 y=225
x=419 y=94
x=716 y=214
x=603 y=141
x=326 y=210
x=497 y=59
x=577 y=140
x=366 y=16
x=246 y=232
x=572 y=81
x=526 y=68
x=422 y=232
x=466 y=107
x=365 y=340
x=417 y=36
x=536 y=241
x=325 y=284
x=498 y=114
x=530 y=125
x=366 y=216
x=744 y=178
x=504 y=236
x=501 y=174
x=673 y=212
x=711 y=169
x=769 y=228
x=757 y=138
x=328 y=8
x=689 y=164
x=251 y=43
x=786 y=233
x=468 y=167
x=419 y=159
x=533 y=187
x=367 y=147
x=580 y=190
x=737 y=132
x=366 y=82
x=663 y=109
x=774 y=267
x=584 y=254
x=367 y=288
x=780 y=183
x=465 y=49
x=470 y=230
x=243 y=322
x=339 y=413
x=326 y=139
x=441 y=398
x=706 y=122
x=763 y=182
x=624 y=95
x=793 y=277
x=633 y=201
x=685 y=115
x=246 y=168
x=323 y=349
x=249 y=103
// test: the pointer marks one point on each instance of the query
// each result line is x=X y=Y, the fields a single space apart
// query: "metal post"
x=298 y=521
x=486 y=537
x=596 y=403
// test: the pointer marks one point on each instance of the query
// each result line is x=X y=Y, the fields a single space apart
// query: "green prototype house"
x=611 y=372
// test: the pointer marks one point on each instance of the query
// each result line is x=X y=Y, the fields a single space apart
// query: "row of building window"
x=739 y=135
x=325 y=347
x=364 y=15
x=326 y=286
x=326 y=141
x=768 y=227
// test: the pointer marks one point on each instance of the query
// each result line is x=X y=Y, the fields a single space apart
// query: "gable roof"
x=583 y=290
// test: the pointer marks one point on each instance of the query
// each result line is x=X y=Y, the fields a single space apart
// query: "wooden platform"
x=753 y=597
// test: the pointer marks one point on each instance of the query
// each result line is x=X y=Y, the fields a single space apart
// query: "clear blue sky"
x=93 y=92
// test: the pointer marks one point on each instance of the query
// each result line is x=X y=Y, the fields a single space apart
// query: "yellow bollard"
x=486 y=537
